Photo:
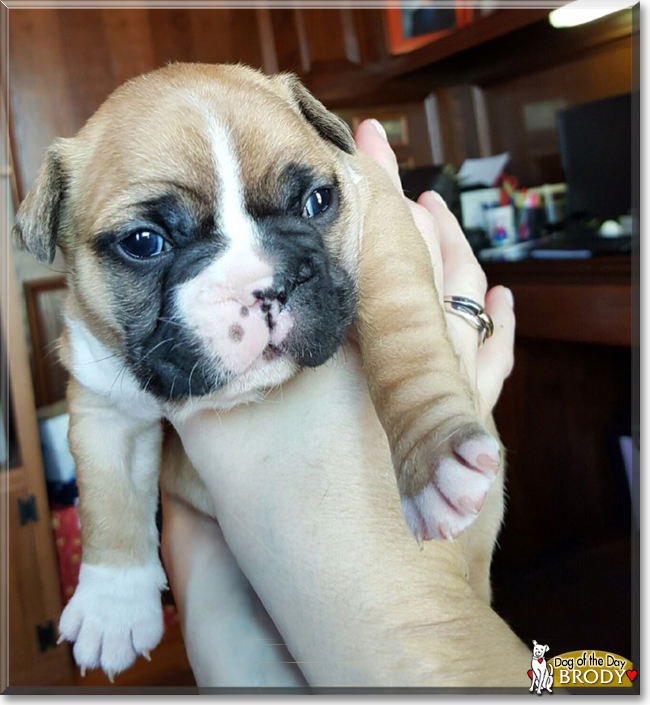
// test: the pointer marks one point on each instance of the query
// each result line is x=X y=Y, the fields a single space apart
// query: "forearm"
x=323 y=543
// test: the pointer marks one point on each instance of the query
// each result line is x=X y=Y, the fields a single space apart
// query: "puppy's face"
x=202 y=217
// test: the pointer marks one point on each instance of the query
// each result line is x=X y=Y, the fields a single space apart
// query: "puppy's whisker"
x=121 y=374
x=56 y=271
x=171 y=391
x=171 y=322
x=101 y=359
x=146 y=385
x=155 y=347
x=189 y=381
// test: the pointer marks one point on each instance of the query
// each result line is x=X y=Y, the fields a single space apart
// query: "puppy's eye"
x=143 y=244
x=318 y=201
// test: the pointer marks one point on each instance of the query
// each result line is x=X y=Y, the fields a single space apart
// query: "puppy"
x=542 y=677
x=221 y=237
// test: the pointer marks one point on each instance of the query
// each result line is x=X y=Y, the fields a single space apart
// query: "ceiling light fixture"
x=583 y=11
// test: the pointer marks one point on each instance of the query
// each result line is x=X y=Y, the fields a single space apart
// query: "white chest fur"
x=101 y=370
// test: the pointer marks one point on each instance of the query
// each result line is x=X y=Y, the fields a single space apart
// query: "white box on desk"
x=471 y=205
x=57 y=459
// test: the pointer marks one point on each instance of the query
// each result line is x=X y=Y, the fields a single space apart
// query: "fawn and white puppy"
x=222 y=237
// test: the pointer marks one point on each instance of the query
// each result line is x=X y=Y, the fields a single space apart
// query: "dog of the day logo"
x=579 y=669
x=540 y=672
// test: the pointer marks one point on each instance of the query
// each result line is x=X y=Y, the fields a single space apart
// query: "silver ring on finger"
x=473 y=313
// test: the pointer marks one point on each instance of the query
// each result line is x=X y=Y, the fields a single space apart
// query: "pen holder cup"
x=531 y=223
x=501 y=228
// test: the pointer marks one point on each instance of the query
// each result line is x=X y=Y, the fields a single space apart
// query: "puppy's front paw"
x=442 y=501
x=114 y=615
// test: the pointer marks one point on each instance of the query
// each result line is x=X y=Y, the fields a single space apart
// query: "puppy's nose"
x=278 y=291
x=270 y=296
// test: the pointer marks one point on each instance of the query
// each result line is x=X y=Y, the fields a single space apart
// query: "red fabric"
x=67 y=539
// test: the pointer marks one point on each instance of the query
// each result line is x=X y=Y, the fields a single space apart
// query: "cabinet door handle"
x=46 y=635
x=27 y=510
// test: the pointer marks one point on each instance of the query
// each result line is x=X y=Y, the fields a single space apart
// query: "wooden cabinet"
x=30 y=591
x=567 y=542
x=30 y=600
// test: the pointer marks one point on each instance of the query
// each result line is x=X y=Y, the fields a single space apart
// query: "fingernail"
x=380 y=128
x=509 y=296
x=439 y=198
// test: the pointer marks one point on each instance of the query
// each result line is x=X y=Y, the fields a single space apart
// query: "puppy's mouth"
x=233 y=334
x=245 y=333
x=272 y=352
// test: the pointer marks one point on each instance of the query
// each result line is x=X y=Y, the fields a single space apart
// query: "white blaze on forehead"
x=240 y=260
x=234 y=220
x=219 y=304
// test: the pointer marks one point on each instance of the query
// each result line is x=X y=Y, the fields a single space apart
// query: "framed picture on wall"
x=413 y=23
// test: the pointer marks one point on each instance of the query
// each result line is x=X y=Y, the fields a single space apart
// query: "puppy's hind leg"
x=444 y=458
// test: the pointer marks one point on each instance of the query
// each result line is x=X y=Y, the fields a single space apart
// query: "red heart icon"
x=540 y=659
x=530 y=674
x=631 y=675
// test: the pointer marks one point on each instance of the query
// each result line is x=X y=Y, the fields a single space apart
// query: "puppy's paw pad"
x=463 y=470
x=482 y=453
x=431 y=515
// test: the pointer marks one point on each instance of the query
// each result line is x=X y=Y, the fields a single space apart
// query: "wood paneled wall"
x=484 y=81
x=503 y=96
x=521 y=111
x=64 y=63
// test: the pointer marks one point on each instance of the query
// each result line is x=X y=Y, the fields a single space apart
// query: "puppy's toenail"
x=469 y=506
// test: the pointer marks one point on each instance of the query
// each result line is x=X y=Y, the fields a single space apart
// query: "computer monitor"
x=596 y=151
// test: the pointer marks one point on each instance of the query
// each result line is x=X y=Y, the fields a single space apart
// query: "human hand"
x=457 y=273
x=324 y=544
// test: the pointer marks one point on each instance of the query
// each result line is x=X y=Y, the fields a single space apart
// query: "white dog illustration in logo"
x=541 y=675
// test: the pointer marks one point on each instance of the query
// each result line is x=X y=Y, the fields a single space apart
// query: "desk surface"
x=585 y=301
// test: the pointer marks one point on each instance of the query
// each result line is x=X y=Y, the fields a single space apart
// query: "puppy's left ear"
x=38 y=219
x=329 y=126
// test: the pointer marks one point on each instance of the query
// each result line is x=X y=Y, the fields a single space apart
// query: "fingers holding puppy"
x=496 y=359
x=370 y=138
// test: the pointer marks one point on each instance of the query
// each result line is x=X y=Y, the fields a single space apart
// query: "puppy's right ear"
x=38 y=218
x=329 y=126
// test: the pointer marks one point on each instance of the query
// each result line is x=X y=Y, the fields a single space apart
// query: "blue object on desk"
x=561 y=254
